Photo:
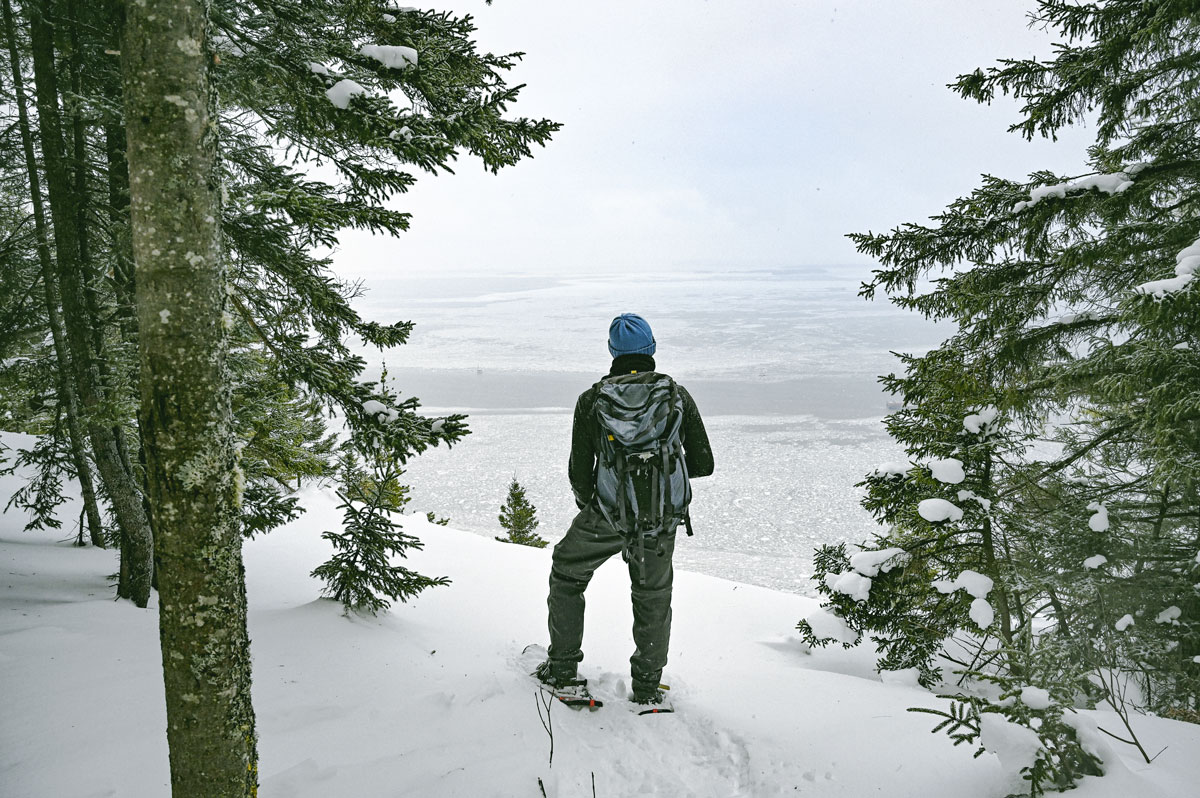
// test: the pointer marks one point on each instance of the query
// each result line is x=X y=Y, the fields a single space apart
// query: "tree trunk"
x=82 y=198
x=992 y=569
x=68 y=399
x=117 y=173
x=118 y=186
x=186 y=407
x=137 y=543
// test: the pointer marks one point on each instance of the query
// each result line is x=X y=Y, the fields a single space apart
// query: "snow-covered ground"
x=433 y=698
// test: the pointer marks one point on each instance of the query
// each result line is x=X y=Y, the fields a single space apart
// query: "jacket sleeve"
x=581 y=467
x=697 y=453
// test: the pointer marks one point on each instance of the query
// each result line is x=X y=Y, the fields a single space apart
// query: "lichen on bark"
x=186 y=411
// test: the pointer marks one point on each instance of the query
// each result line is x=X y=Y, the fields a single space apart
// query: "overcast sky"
x=722 y=134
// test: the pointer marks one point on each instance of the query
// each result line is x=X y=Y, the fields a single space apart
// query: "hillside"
x=432 y=699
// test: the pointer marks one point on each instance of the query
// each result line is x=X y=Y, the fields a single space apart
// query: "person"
x=593 y=538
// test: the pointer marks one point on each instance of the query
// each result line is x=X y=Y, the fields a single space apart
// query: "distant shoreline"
x=824 y=396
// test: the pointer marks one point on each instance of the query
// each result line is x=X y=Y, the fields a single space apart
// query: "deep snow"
x=432 y=698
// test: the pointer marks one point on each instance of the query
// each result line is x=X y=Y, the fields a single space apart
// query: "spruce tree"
x=361 y=574
x=519 y=517
x=1078 y=336
x=375 y=95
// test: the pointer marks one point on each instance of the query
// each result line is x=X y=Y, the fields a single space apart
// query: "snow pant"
x=589 y=542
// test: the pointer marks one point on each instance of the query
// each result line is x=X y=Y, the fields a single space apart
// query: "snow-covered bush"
x=1034 y=734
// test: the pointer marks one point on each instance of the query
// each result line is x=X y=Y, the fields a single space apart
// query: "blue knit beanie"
x=629 y=334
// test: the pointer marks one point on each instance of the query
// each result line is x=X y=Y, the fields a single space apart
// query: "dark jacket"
x=581 y=468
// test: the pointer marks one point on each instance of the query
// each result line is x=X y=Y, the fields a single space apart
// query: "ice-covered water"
x=783 y=485
x=782 y=364
x=761 y=326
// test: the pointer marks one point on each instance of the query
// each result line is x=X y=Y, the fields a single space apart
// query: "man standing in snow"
x=599 y=531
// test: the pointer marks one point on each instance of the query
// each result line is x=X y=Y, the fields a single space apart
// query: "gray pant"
x=589 y=542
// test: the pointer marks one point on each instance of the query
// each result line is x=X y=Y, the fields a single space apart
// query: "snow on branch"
x=1113 y=183
x=1099 y=521
x=343 y=91
x=975 y=583
x=1186 y=263
x=934 y=510
x=892 y=469
x=391 y=56
x=981 y=422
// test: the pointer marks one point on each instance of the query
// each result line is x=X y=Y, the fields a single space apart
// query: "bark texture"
x=70 y=402
x=186 y=413
x=137 y=545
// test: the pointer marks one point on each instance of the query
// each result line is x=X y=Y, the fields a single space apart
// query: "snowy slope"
x=433 y=699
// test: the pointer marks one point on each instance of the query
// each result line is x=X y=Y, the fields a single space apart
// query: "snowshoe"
x=574 y=695
x=567 y=688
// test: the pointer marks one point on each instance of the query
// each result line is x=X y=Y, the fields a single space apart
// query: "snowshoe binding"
x=652 y=702
x=568 y=689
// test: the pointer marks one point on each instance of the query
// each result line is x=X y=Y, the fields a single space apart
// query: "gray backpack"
x=641 y=478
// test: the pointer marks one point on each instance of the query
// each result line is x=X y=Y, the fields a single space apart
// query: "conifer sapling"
x=519 y=517
x=360 y=574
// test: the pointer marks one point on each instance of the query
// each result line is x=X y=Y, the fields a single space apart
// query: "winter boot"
x=556 y=675
x=565 y=685
x=651 y=700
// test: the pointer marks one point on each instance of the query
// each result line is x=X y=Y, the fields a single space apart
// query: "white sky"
x=722 y=134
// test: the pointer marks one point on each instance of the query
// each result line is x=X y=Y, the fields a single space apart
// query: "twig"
x=594 y=780
x=1156 y=756
x=1114 y=696
x=541 y=699
x=541 y=787
x=1115 y=737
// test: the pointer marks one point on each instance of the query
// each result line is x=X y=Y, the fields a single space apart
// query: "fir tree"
x=1078 y=335
x=361 y=574
x=282 y=70
x=519 y=517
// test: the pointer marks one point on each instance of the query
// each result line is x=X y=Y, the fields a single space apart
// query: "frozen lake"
x=782 y=365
